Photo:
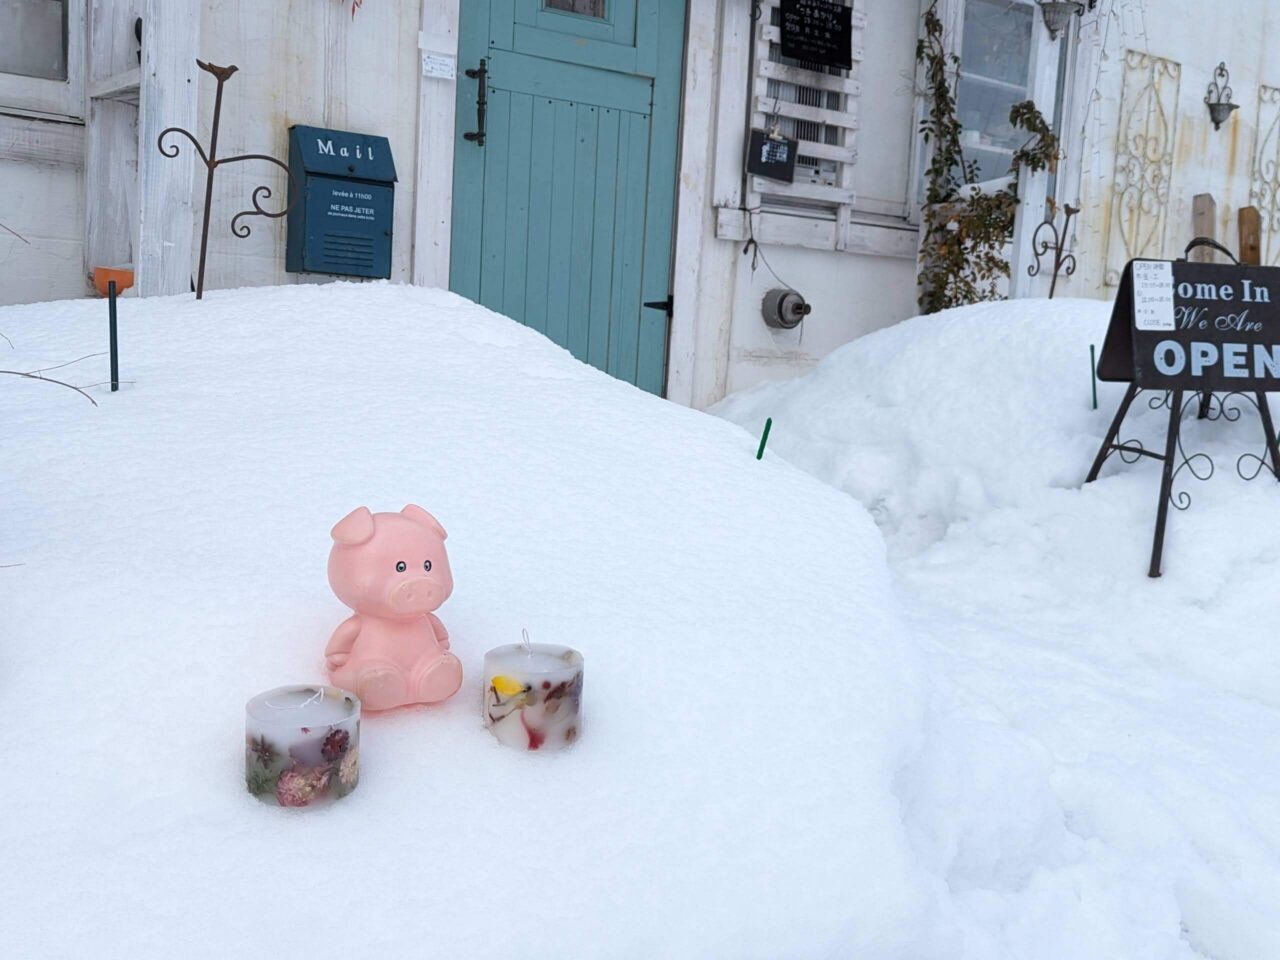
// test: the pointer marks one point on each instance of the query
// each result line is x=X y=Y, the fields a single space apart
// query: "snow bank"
x=1103 y=756
x=751 y=695
x=941 y=418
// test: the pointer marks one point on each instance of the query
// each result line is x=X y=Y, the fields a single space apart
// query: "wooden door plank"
x=602 y=277
x=568 y=81
x=516 y=240
x=493 y=226
x=468 y=158
x=541 y=183
x=585 y=171
x=629 y=248
x=560 y=254
x=660 y=200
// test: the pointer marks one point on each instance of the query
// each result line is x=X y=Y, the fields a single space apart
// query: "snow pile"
x=1100 y=775
x=751 y=694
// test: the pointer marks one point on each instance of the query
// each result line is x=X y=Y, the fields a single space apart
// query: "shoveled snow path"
x=1102 y=772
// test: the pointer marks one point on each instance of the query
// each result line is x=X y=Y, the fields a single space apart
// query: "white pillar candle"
x=533 y=695
x=302 y=745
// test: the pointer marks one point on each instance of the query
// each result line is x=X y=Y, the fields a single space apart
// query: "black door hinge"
x=668 y=305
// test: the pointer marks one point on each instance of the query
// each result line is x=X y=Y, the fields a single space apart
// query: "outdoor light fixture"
x=1218 y=96
x=1057 y=14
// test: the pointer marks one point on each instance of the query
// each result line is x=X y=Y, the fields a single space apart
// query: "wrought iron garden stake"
x=1062 y=261
x=212 y=162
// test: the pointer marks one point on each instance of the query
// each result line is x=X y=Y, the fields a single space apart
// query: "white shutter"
x=815 y=105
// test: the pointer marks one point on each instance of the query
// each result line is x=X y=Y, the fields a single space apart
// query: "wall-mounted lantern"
x=1058 y=13
x=1218 y=96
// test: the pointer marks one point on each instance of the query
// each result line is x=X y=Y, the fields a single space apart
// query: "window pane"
x=589 y=8
x=33 y=38
x=994 y=75
x=997 y=40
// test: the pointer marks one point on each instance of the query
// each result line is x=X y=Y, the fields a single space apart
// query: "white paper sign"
x=442 y=66
x=1153 y=295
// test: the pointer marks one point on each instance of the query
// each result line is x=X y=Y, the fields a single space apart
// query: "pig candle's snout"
x=416 y=596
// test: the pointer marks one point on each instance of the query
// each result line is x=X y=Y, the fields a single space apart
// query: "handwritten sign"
x=1179 y=325
x=1153 y=295
x=818 y=31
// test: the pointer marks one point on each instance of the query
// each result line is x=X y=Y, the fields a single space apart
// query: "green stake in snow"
x=1093 y=372
x=764 y=438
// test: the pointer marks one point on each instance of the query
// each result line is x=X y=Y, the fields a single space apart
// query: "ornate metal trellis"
x=1063 y=262
x=1264 y=172
x=1144 y=160
x=212 y=161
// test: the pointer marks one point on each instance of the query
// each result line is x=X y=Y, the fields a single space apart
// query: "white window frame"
x=1043 y=91
x=52 y=98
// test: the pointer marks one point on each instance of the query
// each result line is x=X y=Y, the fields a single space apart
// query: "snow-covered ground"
x=996 y=739
x=751 y=691
x=1102 y=769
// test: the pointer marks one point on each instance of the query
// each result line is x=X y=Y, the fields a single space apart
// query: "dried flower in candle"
x=349 y=769
x=297 y=788
x=262 y=750
x=335 y=744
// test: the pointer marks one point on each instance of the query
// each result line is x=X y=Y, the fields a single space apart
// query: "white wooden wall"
x=308 y=62
x=719 y=340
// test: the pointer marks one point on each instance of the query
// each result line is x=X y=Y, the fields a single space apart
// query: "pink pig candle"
x=533 y=695
x=302 y=745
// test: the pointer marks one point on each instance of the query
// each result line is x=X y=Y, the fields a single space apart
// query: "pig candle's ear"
x=414 y=512
x=355 y=528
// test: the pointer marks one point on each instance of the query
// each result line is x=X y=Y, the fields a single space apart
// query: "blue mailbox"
x=341 y=222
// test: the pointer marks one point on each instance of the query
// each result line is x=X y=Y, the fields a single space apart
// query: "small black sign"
x=818 y=31
x=772 y=156
x=1181 y=325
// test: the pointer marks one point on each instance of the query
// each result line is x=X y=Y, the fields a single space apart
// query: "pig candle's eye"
x=426 y=565
x=401 y=567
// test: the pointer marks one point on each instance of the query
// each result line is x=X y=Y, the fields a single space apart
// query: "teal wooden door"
x=562 y=218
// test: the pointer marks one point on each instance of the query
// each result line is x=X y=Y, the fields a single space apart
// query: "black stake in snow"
x=115 y=355
x=1200 y=334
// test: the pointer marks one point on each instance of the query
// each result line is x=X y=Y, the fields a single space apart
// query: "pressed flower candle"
x=302 y=745
x=533 y=695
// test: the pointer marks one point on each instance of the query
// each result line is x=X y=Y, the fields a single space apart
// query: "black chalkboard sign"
x=1200 y=334
x=1179 y=325
x=772 y=156
x=817 y=31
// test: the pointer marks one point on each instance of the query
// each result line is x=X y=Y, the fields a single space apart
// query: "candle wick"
x=524 y=635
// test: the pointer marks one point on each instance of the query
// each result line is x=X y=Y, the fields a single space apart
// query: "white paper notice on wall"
x=1153 y=295
x=442 y=66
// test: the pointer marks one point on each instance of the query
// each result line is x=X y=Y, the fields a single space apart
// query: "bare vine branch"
x=61 y=383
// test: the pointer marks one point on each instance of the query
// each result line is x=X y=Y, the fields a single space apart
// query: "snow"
x=752 y=694
x=976 y=732
x=1102 y=755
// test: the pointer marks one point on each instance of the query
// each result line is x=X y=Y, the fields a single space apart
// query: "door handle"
x=481 y=74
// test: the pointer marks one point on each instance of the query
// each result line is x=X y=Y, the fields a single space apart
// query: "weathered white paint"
x=699 y=326
x=27 y=139
x=111 y=134
x=433 y=194
x=170 y=45
x=1221 y=163
x=43 y=203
